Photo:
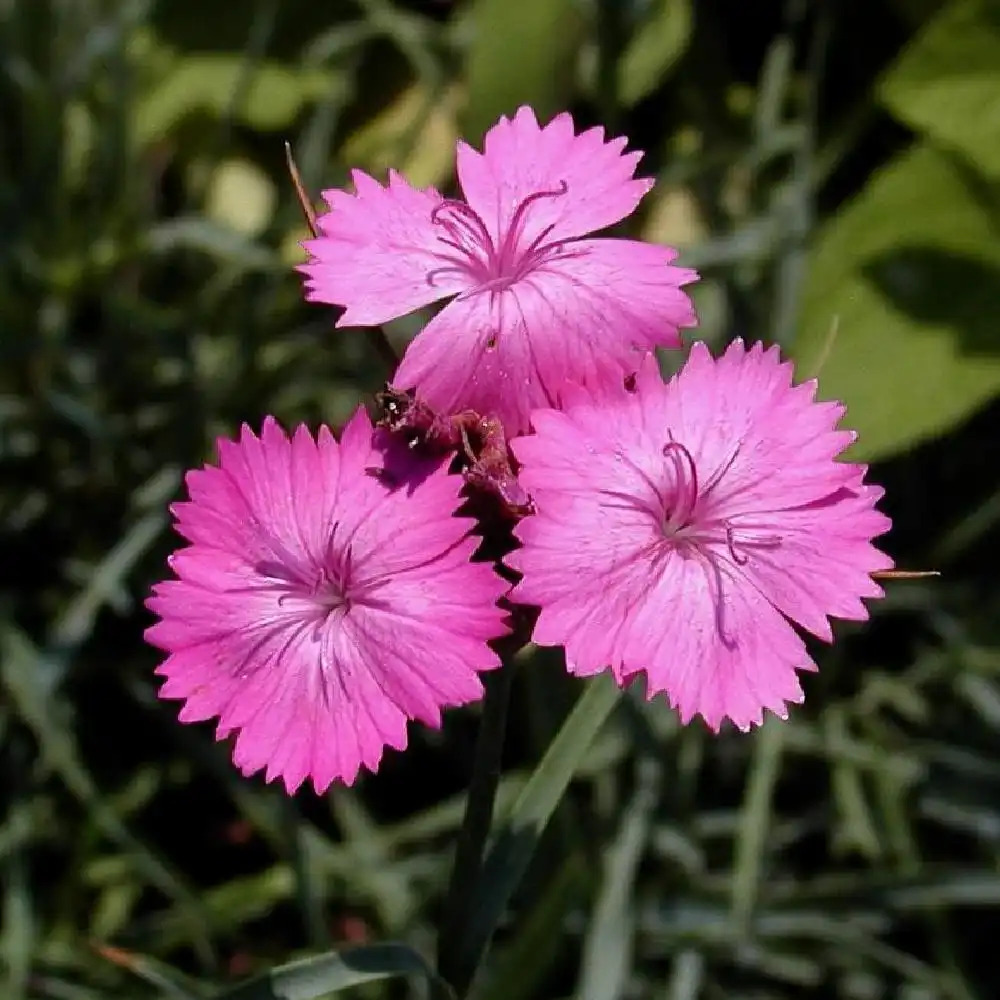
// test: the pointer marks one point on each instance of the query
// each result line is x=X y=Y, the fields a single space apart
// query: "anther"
x=686 y=471
x=740 y=560
x=432 y=276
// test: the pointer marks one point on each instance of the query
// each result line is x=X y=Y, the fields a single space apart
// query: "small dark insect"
x=479 y=442
x=395 y=404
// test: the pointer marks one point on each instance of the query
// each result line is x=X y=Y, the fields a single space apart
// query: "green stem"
x=517 y=836
x=453 y=964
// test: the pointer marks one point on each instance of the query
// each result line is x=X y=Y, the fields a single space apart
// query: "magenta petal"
x=599 y=308
x=378 y=252
x=318 y=609
x=521 y=159
x=682 y=528
x=455 y=362
x=723 y=653
x=823 y=567
x=740 y=413
x=715 y=646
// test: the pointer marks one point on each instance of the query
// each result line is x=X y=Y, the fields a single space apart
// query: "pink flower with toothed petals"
x=536 y=303
x=682 y=528
x=326 y=597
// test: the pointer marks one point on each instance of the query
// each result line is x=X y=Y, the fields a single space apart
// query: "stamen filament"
x=686 y=496
x=506 y=257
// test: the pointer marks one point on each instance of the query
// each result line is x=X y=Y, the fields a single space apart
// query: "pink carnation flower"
x=536 y=302
x=681 y=528
x=319 y=605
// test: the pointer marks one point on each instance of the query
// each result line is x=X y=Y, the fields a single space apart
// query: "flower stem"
x=518 y=834
x=453 y=964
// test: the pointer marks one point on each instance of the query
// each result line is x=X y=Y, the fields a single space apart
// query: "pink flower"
x=325 y=598
x=681 y=528
x=536 y=302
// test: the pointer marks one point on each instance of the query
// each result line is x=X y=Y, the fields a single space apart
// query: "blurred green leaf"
x=77 y=620
x=241 y=196
x=687 y=976
x=519 y=970
x=19 y=931
x=25 y=673
x=654 y=49
x=335 y=971
x=370 y=860
x=608 y=950
x=755 y=819
x=916 y=12
x=272 y=94
x=518 y=834
x=171 y=984
x=855 y=828
x=946 y=84
x=197 y=233
x=908 y=275
x=522 y=52
x=234 y=903
x=415 y=135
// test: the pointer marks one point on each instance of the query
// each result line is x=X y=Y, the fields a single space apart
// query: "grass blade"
x=518 y=835
x=334 y=971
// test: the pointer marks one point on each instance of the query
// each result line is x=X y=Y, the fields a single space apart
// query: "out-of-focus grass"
x=147 y=304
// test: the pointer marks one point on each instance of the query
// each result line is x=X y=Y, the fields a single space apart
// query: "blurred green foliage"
x=832 y=169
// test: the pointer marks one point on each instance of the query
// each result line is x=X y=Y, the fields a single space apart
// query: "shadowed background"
x=833 y=169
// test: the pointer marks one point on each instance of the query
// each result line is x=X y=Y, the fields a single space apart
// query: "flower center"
x=470 y=250
x=322 y=589
x=688 y=518
x=681 y=506
x=680 y=500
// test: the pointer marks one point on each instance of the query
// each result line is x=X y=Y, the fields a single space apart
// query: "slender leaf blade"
x=334 y=971
x=518 y=834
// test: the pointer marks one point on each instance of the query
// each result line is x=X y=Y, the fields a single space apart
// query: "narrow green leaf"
x=23 y=673
x=370 y=861
x=18 y=937
x=522 y=52
x=607 y=952
x=946 y=84
x=196 y=233
x=519 y=971
x=456 y=966
x=687 y=976
x=654 y=49
x=908 y=273
x=518 y=834
x=77 y=620
x=755 y=820
x=855 y=829
x=170 y=983
x=335 y=971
